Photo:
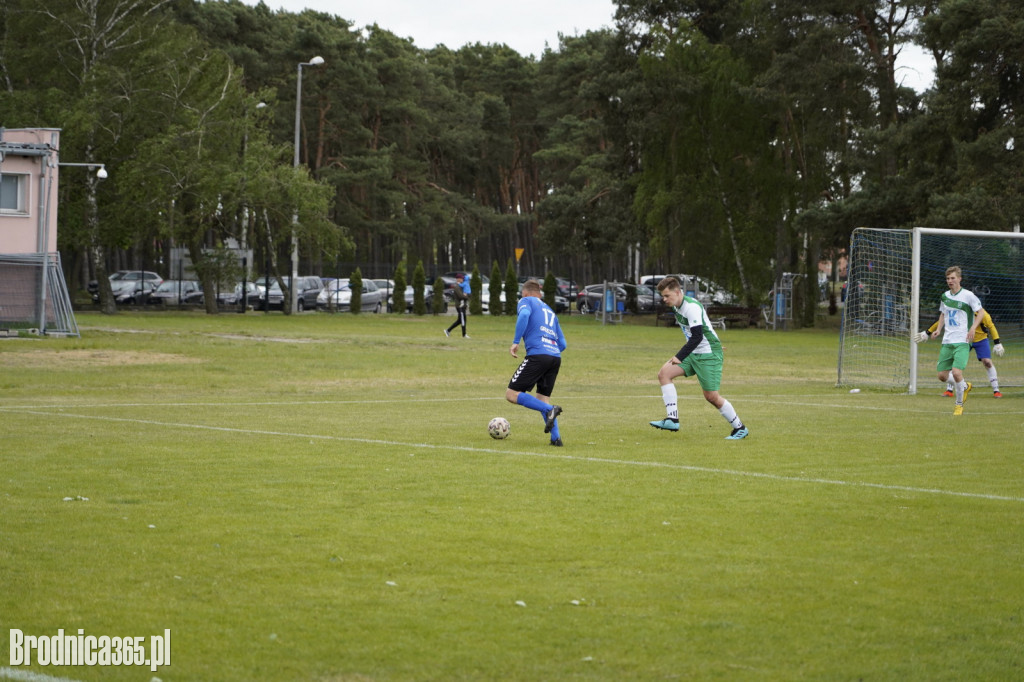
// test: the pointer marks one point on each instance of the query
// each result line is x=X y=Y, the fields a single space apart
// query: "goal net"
x=894 y=283
x=34 y=296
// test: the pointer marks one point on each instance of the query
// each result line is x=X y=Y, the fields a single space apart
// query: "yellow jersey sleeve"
x=986 y=328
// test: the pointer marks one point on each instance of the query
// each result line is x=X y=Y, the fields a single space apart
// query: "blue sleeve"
x=562 y=345
x=521 y=322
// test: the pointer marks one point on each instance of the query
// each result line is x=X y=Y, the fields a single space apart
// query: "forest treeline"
x=731 y=139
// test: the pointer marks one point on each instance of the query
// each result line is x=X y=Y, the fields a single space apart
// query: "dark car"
x=309 y=288
x=176 y=291
x=232 y=296
x=563 y=285
x=567 y=287
x=137 y=293
x=428 y=300
x=449 y=286
x=590 y=297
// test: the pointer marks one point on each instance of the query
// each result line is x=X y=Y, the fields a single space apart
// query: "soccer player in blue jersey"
x=538 y=327
x=702 y=355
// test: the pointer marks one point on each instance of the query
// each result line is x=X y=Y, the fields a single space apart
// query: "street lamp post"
x=292 y=285
x=101 y=169
x=101 y=174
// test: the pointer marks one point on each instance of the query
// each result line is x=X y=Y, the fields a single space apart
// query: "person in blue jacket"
x=538 y=327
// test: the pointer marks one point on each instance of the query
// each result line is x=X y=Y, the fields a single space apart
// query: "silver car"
x=338 y=296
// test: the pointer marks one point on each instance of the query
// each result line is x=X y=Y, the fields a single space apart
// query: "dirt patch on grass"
x=44 y=359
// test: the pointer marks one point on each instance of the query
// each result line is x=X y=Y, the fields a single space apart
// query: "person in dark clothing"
x=461 y=303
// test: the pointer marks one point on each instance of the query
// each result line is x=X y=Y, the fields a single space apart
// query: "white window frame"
x=21 y=181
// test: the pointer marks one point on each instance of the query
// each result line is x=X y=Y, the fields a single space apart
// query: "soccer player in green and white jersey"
x=960 y=313
x=702 y=355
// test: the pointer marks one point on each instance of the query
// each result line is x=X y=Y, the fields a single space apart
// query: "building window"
x=13 y=190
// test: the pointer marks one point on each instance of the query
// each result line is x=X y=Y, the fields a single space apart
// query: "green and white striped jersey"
x=959 y=309
x=690 y=314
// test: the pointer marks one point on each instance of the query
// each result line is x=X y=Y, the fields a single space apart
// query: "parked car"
x=338 y=296
x=428 y=299
x=561 y=302
x=253 y=296
x=567 y=287
x=716 y=293
x=388 y=287
x=177 y=291
x=449 y=286
x=704 y=290
x=590 y=297
x=309 y=288
x=652 y=280
x=485 y=298
x=137 y=293
x=468 y=276
x=233 y=296
x=124 y=279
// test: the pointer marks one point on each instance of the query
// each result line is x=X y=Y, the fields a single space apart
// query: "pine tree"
x=511 y=289
x=494 y=305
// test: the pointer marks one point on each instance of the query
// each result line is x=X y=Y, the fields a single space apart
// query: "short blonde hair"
x=532 y=286
x=954 y=269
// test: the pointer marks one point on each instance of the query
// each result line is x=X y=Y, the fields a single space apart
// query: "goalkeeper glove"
x=999 y=349
x=922 y=337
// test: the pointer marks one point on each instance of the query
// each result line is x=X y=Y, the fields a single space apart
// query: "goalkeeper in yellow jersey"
x=981 y=349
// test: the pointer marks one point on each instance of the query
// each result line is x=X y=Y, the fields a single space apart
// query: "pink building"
x=33 y=293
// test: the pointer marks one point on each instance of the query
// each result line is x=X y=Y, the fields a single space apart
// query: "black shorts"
x=536 y=370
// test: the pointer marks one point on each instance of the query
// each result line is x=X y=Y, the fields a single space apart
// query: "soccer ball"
x=499 y=428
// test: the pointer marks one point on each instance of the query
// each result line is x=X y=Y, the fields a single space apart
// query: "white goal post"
x=34 y=296
x=894 y=282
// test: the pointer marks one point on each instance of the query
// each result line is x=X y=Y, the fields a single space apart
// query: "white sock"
x=671 y=398
x=993 y=378
x=949 y=386
x=960 y=388
x=730 y=414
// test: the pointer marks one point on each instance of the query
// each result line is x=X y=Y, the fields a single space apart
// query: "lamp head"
x=101 y=173
x=316 y=61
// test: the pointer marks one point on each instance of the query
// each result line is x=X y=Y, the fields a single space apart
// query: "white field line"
x=521 y=453
x=29 y=676
x=761 y=399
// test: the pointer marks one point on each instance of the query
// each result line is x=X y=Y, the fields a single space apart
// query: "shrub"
x=419 y=282
x=398 y=297
x=495 y=293
x=355 y=285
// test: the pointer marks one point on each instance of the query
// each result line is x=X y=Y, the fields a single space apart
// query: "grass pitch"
x=316 y=498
